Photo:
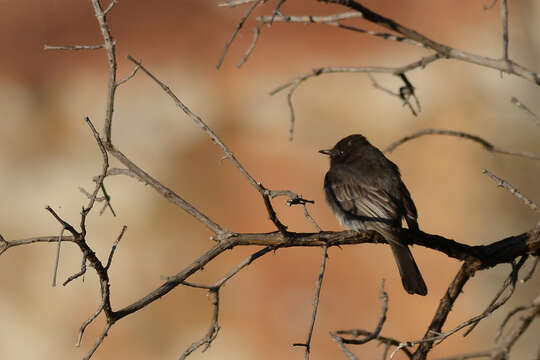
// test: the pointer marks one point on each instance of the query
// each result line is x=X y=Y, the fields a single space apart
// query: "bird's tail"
x=410 y=275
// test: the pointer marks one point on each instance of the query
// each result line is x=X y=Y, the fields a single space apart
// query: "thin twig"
x=247 y=261
x=107 y=199
x=510 y=281
x=212 y=331
x=64 y=224
x=236 y=30
x=504 y=18
x=309 y=19
x=487 y=7
x=381 y=339
x=256 y=32
x=229 y=154
x=99 y=341
x=88 y=322
x=472 y=355
x=78 y=274
x=421 y=63
x=530 y=273
x=339 y=340
x=333 y=20
x=485 y=144
x=506 y=343
x=383 y=296
x=291 y=109
x=73 y=47
x=509 y=316
x=277 y=9
x=110 y=49
x=233 y=3
x=109 y=8
x=55 y=271
x=503 y=65
x=377 y=86
x=307 y=343
x=293 y=84
x=113 y=248
x=502 y=183
x=522 y=106
x=167 y=193
x=453 y=291
x=99 y=182
x=127 y=78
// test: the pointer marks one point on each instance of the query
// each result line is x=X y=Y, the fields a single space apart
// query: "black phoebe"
x=365 y=192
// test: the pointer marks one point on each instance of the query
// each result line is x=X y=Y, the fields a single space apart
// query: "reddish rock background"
x=47 y=152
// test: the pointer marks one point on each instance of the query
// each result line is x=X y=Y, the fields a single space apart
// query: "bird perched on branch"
x=364 y=190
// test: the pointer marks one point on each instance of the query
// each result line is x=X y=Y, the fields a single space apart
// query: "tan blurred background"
x=47 y=153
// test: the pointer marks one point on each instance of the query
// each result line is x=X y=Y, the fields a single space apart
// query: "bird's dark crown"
x=345 y=146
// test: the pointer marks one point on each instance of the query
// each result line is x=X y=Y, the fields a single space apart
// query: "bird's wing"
x=362 y=199
x=410 y=209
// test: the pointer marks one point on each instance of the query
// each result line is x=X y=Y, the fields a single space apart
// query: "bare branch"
x=485 y=144
x=506 y=343
x=109 y=8
x=99 y=341
x=529 y=275
x=55 y=271
x=445 y=306
x=233 y=3
x=107 y=199
x=342 y=347
x=248 y=260
x=277 y=9
x=309 y=19
x=113 y=248
x=256 y=32
x=510 y=281
x=293 y=84
x=423 y=62
x=134 y=170
x=64 y=224
x=4 y=245
x=110 y=49
x=504 y=18
x=236 y=30
x=73 y=47
x=99 y=182
x=88 y=322
x=472 y=355
x=307 y=344
x=333 y=20
x=212 y=331
x=78 y=274
x=502 y=183
x=377 y=86
x=127 y=78
x=503 y=65
x=487 y=7
x=260 y=188
x=200 y=123
x=369 y=335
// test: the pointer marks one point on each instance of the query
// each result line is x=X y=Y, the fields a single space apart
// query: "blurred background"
x=47 y=152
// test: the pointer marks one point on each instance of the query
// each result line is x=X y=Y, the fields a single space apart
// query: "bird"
x=364 y=190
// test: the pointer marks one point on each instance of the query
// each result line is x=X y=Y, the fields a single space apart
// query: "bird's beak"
x=326 y=152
